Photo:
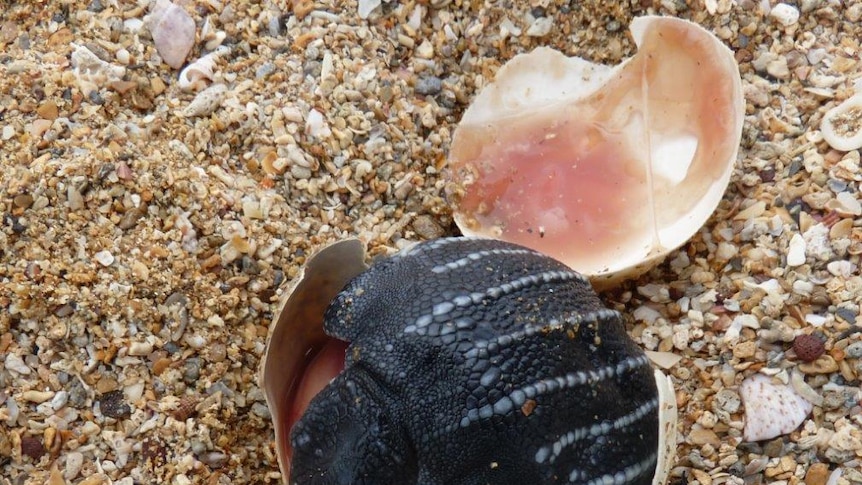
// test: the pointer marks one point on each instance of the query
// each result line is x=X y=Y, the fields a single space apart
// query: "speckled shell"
x=330 y=269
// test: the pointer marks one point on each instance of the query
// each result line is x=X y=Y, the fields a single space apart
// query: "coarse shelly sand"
x=146 y=230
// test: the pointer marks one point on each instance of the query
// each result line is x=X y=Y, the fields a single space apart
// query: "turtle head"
x=348 y=436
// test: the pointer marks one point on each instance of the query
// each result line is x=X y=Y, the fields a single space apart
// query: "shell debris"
x=842 y=125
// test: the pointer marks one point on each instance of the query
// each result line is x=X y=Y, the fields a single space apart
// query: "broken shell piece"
x=173 y=31
x=299 y=327
x=195 y=76
x=667 y=432
x=842 y=125
x=92 y=72
x=606 y=169
x=771 y=409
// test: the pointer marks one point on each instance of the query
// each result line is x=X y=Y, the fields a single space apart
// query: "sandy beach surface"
x=148 y=224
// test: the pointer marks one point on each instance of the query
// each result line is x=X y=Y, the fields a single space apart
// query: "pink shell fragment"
x=771 y=409
x=606 y=169
x=173 y=31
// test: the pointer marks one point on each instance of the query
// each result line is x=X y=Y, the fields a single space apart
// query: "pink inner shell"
x=580 y=180
x=322 y=365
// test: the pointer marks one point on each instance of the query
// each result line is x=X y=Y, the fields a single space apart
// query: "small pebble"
x=113 y=405
x=14 y=363
x=784 y=14
x=808 y=347
x=429 y=86
x=796 y=251
x=105 y=258
x=365 y=7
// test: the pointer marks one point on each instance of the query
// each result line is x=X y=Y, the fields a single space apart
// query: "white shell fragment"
x=842 y=125
x=173 y=31
x=604 y=168
x=365 y=7
x=302 y=307
x=667 y=432
x=771 y=409
x=796 y=251
x=92 y=72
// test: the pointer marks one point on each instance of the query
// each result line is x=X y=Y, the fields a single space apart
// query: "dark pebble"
x=429 y=86
x=249 y=265
x=96 y=98
x=774 y=448
x=191 y=370
x=113 y=405
x=278 y=278
x=795 y=167
x=130 y=219
x=95 y=6
x=846 y=314
x=32 y=446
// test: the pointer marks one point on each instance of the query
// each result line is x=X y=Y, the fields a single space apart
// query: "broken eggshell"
x=297 y=332
x=605 y=168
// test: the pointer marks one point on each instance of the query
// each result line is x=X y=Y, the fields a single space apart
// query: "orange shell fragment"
x=606 y=169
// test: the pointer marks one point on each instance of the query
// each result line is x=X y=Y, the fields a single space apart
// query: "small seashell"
x=842 y=125
x=15 y=363
x=771 y=409
x=173 y=31
x=842 y=268
x=845 y=204
x=194 y=77
x=551 y=155
x=104 y=257
x=316 y=125
x=206 y=101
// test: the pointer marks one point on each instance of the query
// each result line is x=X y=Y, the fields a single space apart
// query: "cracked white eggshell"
x=604 y=168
